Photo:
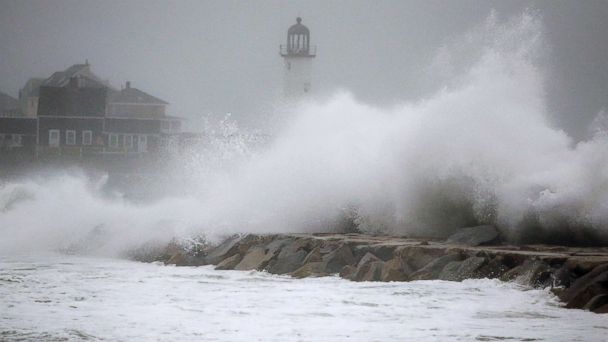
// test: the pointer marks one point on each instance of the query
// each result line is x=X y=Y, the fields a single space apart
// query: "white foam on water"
x=59 y=297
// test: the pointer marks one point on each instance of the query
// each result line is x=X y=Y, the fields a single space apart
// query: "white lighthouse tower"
x=297 y=55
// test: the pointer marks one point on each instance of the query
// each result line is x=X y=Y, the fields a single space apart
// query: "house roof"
x=133 y=95
x=8 y=102
x=83 y=71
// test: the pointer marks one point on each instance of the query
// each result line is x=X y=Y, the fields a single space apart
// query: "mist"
x=217 y=57
x=482 y=149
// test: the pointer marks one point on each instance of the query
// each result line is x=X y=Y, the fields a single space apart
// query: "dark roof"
x=298 y=28
x=62 y=78
x=133 y=95
x=8 y=102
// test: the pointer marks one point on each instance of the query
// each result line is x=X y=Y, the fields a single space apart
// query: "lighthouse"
x=297 y=55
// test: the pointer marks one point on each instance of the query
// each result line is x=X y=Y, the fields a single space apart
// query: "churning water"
x=480 y=150
x=73 y=298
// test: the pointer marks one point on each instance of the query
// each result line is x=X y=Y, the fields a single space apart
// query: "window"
x=54 y=137
x=16 y=139
x=128 y=141
x=70 y=137
x=87 y=137
x=113 y=140
x=142 y=143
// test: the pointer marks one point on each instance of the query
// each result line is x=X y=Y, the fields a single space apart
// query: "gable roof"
x=133 y=95
x=8 y=102
x=82 y=71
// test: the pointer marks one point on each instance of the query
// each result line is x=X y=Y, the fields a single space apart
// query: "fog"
x=215 y=57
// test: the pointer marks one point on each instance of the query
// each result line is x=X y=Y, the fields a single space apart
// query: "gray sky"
x=222 y=56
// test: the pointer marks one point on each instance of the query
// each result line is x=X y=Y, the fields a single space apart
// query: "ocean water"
x=58 y=297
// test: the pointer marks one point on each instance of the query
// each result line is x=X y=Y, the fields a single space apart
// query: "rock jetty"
x=577 y=275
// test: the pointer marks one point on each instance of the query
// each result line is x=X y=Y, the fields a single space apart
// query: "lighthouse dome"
x=298 y=28
x=298 y=39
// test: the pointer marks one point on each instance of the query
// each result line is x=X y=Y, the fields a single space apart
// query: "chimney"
x=128 y=85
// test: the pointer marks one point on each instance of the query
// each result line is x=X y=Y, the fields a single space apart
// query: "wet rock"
x=311 y=269
x=587 y=287
x=289 y=259
x=495 y=268
x=363 y=268
x=474 y=236
x=417 y=257
x=225 y=250
x=395 y=270
x=255 y=259
x=229 y=263
x=450 y=271
x=433 y=268
x=598 y=304
x=313 y=256
x=347 y=271
x=338 y=258
x=383 y=252
x=581 y=265
x=370 y=271
x=177 y=259
x=535 y=273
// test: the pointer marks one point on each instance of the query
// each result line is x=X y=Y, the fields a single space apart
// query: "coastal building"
x=297 y=56
x=76 y=113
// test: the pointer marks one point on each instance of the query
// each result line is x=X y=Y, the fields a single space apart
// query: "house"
x=75 y=112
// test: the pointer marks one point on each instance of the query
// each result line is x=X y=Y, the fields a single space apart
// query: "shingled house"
x=78 y=113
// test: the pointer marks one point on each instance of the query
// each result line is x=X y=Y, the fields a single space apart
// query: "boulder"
x=255 y=259
x=177 y=259
x=289 y=259
x=311 y=269
x=535 y=273
x=597 y=303
x=383 y=252
x=495 y=268
x=588 y=290
x=450 y=271
x=417 y=257
x=313 y=256
x=347 y=271
x=395 y=270
x=338 y=258
x=581 y=283
x=229 y=263
x=433 y=268
x=362 y=272
x=224 y=250
x=474 y=236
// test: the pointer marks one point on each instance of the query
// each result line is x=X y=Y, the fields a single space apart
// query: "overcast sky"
x=222 y=56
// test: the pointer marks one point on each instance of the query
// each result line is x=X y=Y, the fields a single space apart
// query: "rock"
x=347 y=272
x=417 y=257
x=395 y=270
x=581 y=265
x=469 y=267
x=433 y=268
x=581 y=283
x=225 y=250
x=383 y=252
x=311 y=269
x=474 y=236
x=370 y=271
x=450 y=271
x=495 y=268
x=289 y=259
x=587 y=290
x=177 y=259
x=597 y=302
x=363 y=268
x=255 y=259
x=535 y=273
x=338 y=258
x=229 y=263
x=313 y=256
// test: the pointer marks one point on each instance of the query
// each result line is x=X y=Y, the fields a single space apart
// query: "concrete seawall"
x=577 y=275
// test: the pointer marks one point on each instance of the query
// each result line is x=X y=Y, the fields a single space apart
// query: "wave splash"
x=479 y=150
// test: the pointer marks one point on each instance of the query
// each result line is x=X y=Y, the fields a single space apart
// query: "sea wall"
x=578 y=276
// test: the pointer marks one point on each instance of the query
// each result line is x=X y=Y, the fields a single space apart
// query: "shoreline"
x=577 y=275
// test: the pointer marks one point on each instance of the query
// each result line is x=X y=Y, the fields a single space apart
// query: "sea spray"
x=479 y=150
